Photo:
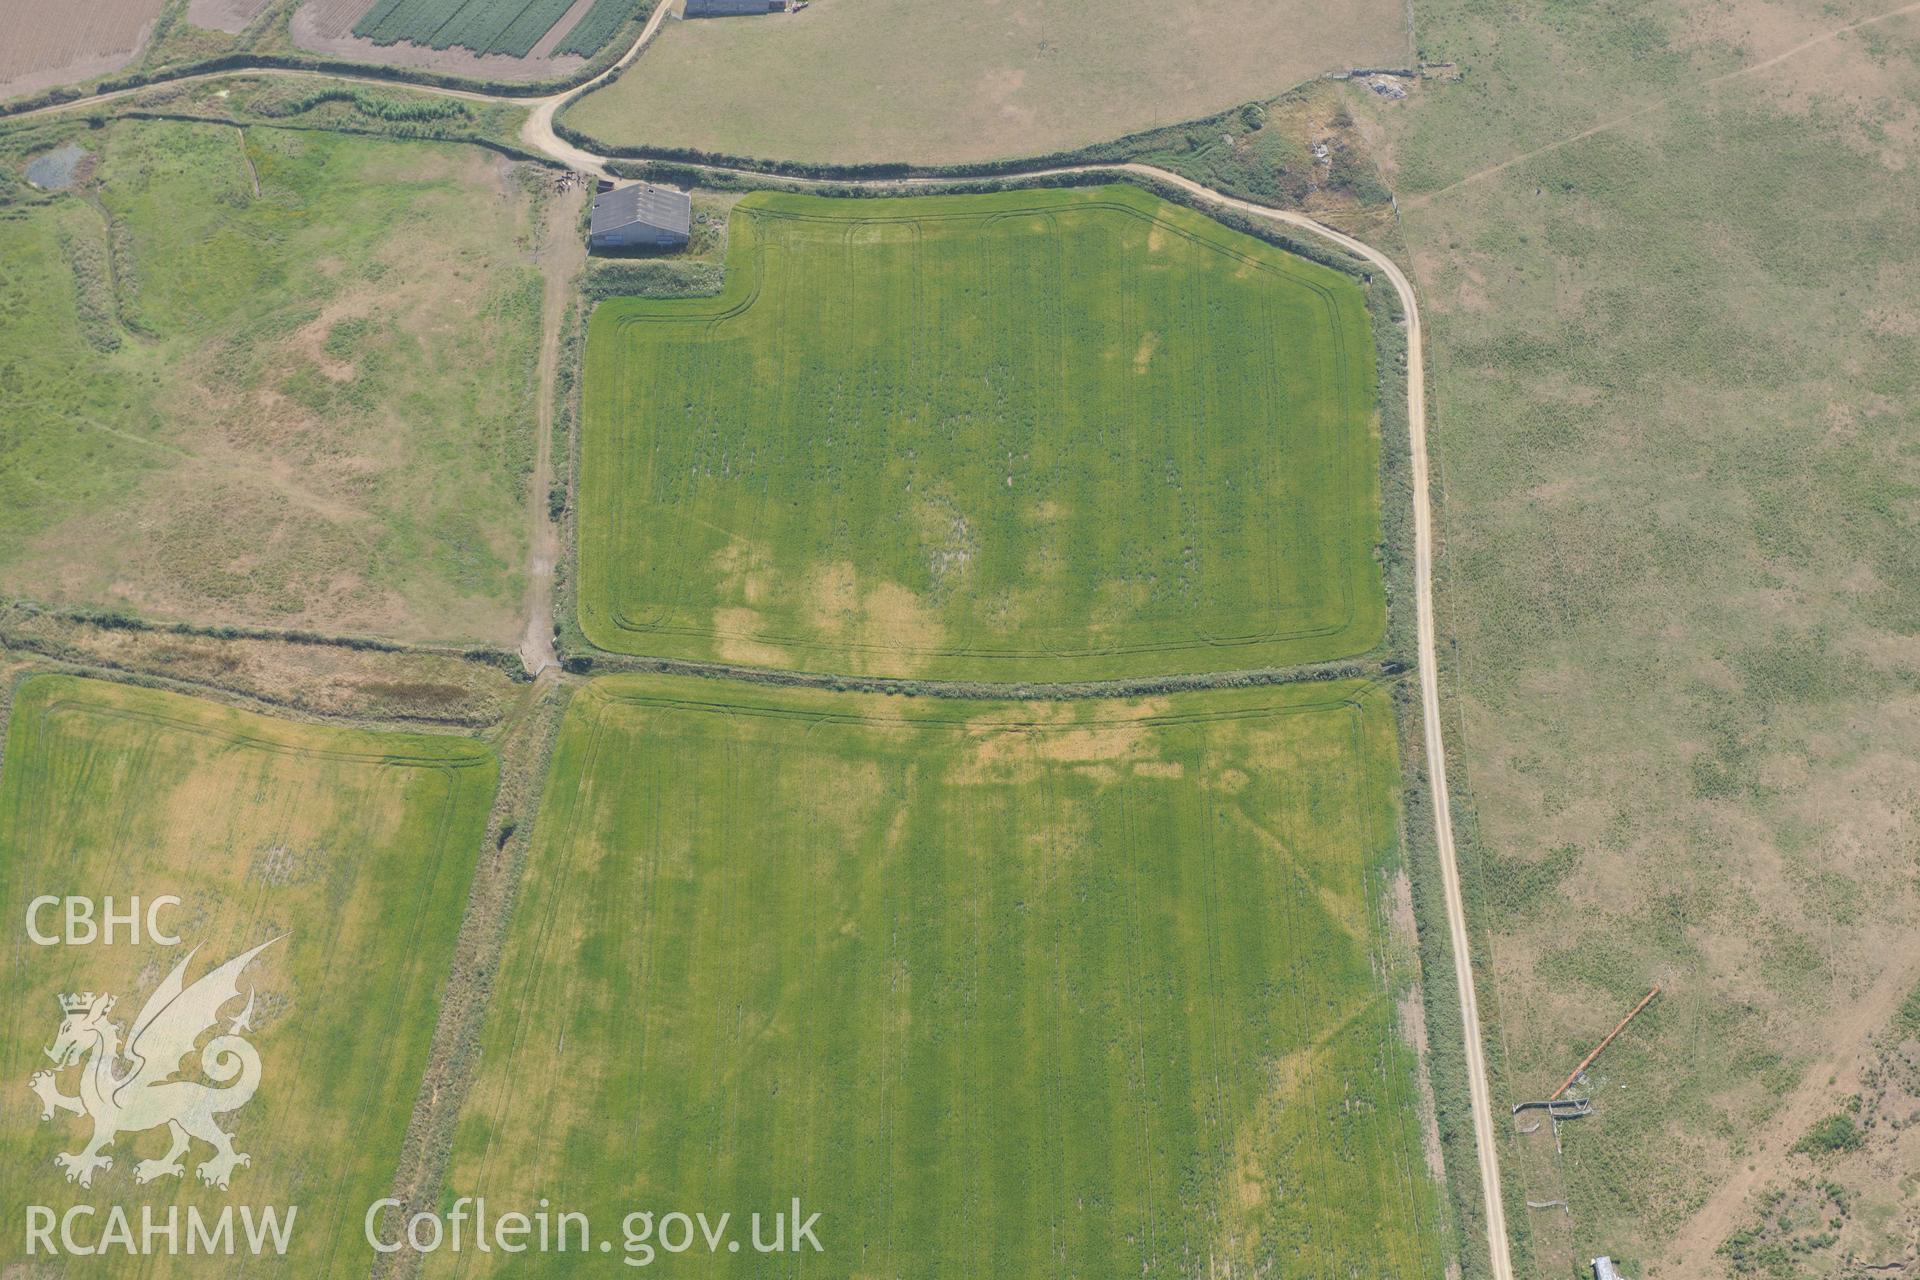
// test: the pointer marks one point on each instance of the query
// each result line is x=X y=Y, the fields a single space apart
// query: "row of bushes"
x=121 y=620
x=578 y=660
x=653 y=278
x=391 y=109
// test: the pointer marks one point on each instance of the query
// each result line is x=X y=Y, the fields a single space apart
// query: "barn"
x=732 y=8
x=640 y=216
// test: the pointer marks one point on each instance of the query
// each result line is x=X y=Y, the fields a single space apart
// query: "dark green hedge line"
x=389 y=109
x=120 y=620
x=652 y=278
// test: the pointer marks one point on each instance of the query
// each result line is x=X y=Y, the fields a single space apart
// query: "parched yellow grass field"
x=853 y=81
x=355 y=849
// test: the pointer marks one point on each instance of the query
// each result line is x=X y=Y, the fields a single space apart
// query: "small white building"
x=1603 y=1269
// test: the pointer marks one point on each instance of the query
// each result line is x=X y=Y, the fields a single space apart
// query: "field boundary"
x=630 y=690
x=604 y=663
x=117 y=620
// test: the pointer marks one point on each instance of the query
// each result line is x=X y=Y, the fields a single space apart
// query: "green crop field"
x=510 y=27
x=256 y=348
x=1037 y=435
x=591 y=33
x=358 y=847
x=1094 y=989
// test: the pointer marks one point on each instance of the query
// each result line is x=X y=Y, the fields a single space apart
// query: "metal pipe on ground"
x=1588 y=1060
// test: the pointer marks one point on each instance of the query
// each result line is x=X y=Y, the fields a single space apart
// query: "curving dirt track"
x=537 y=134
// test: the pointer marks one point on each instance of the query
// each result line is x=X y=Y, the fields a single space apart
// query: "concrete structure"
x=733 y=8
x=1603 y=1269
x=640 y=216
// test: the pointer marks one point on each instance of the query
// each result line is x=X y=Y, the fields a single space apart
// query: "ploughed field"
x=45 y=45
x=1039 y=435
x=354 y=849
x=1091 y=989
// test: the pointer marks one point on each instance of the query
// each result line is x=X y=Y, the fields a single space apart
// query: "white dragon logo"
x=141 y=1094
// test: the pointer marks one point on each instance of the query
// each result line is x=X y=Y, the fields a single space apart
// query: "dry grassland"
x=851 y=81
x=1669 y=258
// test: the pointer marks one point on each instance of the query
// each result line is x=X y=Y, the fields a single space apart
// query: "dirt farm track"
x=51 y=44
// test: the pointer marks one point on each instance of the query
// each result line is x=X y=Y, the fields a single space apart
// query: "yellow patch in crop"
x=1251 y=1176
x=1160 y=769
x=885 y=625
x=833 y=599
x=898 y=619
x=1143 y=354
x=745 y=569
x=1053 y=735
x=734 y=632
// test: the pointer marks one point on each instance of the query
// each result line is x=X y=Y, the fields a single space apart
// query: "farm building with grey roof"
x=732 y=8
x=640 y=216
